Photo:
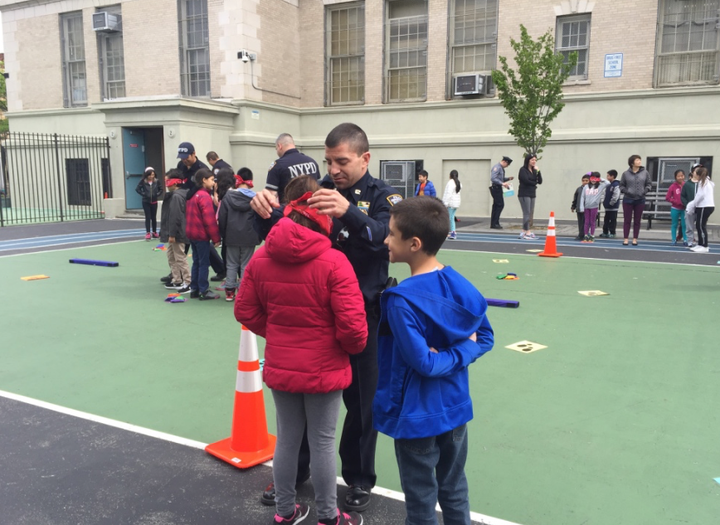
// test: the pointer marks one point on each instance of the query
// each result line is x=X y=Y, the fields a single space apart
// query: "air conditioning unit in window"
x=474 y=84
x=105 y=22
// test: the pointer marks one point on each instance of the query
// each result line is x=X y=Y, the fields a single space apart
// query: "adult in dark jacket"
x=290 y=164
x=216 y=162
x=236 y=221
x=360 y=206
x=150 y=191
x=529 y=177
x=189 y=164
x=634 y=185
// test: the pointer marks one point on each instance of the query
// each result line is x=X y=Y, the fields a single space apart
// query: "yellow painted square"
x=501 y=261
x=526 y=347
x=34 y=277
x=593 y=293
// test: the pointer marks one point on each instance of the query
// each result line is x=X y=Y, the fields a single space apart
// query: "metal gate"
x=52 y=177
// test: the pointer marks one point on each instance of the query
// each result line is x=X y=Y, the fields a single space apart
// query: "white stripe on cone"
x=248 y=382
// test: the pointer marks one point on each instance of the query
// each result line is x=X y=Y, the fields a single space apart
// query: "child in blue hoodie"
x=432 y=327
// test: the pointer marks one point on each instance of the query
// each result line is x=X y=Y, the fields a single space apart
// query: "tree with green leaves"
x=532 y=94
x=4 y=125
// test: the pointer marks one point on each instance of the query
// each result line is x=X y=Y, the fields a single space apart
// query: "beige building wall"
x=150 y=42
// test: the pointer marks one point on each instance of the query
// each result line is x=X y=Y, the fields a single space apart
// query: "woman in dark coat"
x=529 y=177
x=634 y=185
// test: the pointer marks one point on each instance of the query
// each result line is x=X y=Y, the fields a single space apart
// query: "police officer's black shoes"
x=357 y=498
x=268 y=495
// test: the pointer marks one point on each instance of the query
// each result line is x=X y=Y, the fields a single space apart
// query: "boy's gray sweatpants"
x=320 y=412
x=238 y=258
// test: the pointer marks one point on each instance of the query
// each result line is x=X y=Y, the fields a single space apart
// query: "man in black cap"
x=498 y=181
x=189 y=164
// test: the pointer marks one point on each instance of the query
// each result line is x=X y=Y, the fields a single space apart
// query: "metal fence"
x=52 y=178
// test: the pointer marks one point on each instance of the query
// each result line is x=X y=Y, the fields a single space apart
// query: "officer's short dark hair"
x=211 y=155
x=425 y=218
x=350 y=134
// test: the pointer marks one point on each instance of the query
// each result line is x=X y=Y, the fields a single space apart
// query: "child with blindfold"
x=590 y=200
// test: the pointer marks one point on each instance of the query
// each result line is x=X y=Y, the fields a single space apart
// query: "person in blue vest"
x=425 y=187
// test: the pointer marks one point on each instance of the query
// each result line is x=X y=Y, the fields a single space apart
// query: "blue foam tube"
x=503 y=302
x=94 y=263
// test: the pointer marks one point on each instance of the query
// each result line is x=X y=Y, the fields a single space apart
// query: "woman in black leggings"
x=703 y=205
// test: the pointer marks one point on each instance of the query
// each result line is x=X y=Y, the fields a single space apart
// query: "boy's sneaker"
x=586 y=239
x=194 y=294
x=604 y=236
x=155 y=236
x=452 y=235
x=611 y=236
x=685 y=244
x=344 y=518
x=167 y=279
x=229 y=294
x=530 y=235
x=301 y=512
x=147 y=236
x=218 y=278
x=208 y=295
x=522 y=235
x=183 y=289
x=592 y=238
x=700 y=249
x=173 y=286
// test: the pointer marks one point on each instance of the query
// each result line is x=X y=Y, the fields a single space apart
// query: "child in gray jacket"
x=590 y=200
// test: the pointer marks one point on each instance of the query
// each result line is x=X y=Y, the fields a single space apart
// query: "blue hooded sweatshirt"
x=422 y=393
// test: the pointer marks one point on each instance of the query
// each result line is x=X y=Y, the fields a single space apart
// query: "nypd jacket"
x=292 y=164
x=421 y=393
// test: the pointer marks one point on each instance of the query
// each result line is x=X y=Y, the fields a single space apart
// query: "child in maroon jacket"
x=303 y=297
x=200 y=228
x=677 y=211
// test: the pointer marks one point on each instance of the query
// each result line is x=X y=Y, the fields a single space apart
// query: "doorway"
x=142 y=147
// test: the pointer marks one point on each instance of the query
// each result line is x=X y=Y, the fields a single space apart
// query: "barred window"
x=345 y=54
x=473 y=36
x=688 y=50
x=406 y=51
x=194 y=48
x=73 y=55
x=112 y=59
x=573 y=35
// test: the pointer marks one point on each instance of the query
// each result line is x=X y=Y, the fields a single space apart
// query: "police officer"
x=189 y=164
x=360 y=206
x=291 y=164
x=498 y=181
x=217 y=163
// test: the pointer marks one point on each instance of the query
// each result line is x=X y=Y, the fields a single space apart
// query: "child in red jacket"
x=201 y=227
x=303 y=297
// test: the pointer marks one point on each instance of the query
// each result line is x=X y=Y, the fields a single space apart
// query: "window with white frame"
x=345 y=54
x=112 y=58
x=573 y=35
x=194 y=48
x=406 y=37
x=688 y=48
x=73 y=56
x=473 y=35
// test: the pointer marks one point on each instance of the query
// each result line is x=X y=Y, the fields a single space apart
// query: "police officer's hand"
x=329 y=202
x=263 y=203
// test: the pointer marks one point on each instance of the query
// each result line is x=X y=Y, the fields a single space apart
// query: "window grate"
x=345 y=60
x=194 y=48
x=573 y=36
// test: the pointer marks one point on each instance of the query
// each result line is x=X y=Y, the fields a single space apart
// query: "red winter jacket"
x=200 y=223
x=303 y=297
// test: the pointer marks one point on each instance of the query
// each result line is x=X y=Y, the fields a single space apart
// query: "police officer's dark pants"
x=498 y=204
x=358 y=440
x=216 y=261
x=357 y=444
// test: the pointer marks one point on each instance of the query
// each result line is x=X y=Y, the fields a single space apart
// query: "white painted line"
x=478 y=518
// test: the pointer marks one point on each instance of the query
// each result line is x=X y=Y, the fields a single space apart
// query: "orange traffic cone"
x=550 y=242
x=249 y=443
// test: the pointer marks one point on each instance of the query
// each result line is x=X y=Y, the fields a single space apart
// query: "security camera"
x=244 y=56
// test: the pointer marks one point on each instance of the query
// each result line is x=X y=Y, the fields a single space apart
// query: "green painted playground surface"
x=616 y=421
